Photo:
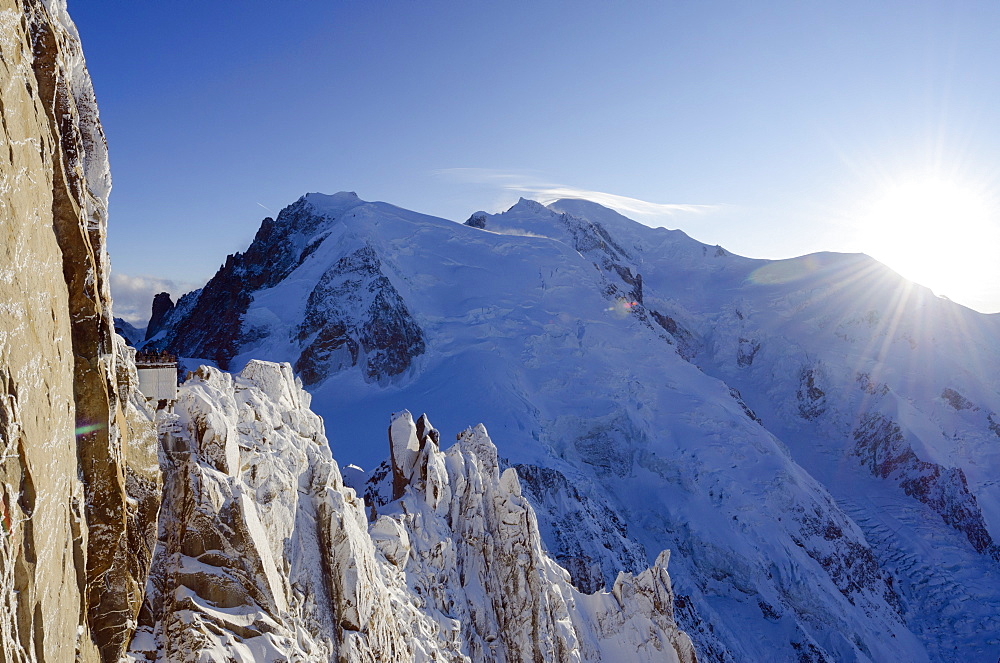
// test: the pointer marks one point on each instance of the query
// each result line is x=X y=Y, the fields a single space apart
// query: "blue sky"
x=784 y=125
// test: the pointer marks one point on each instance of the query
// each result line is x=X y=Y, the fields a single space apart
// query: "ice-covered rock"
x=265 y=555
x=354 y=314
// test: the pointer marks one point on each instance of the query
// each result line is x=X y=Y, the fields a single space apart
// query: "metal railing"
x=155 y=359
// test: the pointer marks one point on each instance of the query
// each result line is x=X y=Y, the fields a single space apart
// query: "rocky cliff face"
x=162 y=308
x=75 y=553
x=352 y=314
x=265 y=555
x=355 y=314
x=585 y=536
x=883 y=449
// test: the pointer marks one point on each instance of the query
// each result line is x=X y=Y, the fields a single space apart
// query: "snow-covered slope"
x=738 y=412
x=132 y=335
x=265 y=555
x=886 y=394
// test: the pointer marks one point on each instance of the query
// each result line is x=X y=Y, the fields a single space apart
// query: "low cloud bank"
x=133 y=295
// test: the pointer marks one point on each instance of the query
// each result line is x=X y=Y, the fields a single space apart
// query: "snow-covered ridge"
x=265 y=555
x=708 y=401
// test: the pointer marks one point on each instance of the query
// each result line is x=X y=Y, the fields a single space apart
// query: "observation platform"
x=157 y=377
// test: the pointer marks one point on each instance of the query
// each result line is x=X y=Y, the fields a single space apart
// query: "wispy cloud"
x=614 y=201
x=532 y=186
x=133 y=295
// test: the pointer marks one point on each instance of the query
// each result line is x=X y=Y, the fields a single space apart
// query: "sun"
x=938 y=232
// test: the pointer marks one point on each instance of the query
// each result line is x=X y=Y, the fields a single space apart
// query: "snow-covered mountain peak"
x=588 y=209
x=526 y=217
x=670 y=246
x=527 y=204
x=565 y=329
x=333 y=204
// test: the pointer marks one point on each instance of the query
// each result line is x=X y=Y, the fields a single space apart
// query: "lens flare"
x=785 y=271
x=89 y=428
x=622 y=307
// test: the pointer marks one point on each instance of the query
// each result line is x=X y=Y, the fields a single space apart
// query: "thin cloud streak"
x=545 y=193
x=620 y=203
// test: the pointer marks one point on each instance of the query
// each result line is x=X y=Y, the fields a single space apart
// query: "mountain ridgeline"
x=795 y=431
x=810 y=444
x=353 y=313
x=220 y=529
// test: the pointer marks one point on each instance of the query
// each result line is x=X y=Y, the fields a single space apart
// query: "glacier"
x=714 y=403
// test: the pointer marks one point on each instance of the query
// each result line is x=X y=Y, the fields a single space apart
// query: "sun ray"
x=937 y=230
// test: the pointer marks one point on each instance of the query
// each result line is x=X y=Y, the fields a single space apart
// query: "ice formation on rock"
x=265 y=555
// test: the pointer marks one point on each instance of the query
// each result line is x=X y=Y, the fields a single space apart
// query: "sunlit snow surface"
x=531 y=329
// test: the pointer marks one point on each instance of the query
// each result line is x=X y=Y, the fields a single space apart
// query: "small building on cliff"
x=157 y=377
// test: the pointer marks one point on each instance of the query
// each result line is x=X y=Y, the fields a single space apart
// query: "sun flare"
x=938 y=232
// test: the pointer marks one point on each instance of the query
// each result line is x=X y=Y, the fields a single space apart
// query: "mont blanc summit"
x=763 y=420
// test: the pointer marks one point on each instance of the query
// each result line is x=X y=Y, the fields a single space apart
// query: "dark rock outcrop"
x=957 y=400
x=162 y=307
x=477 y=220
x=881 y=446
x=354 y=313
x=811 y=399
